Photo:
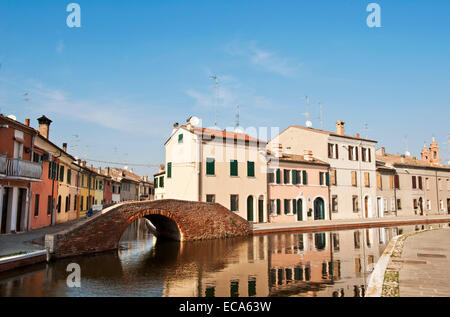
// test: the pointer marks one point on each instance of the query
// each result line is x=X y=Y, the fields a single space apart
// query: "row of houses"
x=302 y=174
x=41 y=184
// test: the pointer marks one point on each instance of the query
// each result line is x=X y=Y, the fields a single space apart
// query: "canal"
x=323 y=264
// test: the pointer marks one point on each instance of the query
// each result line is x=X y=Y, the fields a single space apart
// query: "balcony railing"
x=3 y=164
x=19 y=168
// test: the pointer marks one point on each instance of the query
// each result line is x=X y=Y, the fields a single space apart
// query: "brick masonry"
x=174 y=219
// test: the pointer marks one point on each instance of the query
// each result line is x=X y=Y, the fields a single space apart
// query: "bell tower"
x=434 y=153
x=425 y=153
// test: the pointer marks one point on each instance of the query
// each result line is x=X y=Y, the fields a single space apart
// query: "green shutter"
x=294 y=177
x=278 y=206
x=169 y=169
x=233 y=168
x=294 y=206
x=50 y=164
x=61 y=173
x=180 y=138
x=250 y=169
x=278 y=176
x=327 y=175
x=304 y=178
x=161 y=181
x=68 y=176
x=155 y=182
x=210 y=168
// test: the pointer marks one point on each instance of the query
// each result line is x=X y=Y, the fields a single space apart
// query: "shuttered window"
x=333 y=177
x=169 y=169
x=391 y=181
x=397 y=182
x=233 y=168
x=69 y=176
x=278 y=207
x=294 y=206
x=379 y=184
x=294 y=177
x=354 y=182
x=414 y=182
x=321 y=178
x=305 y=178
x=250 y=169
x=287 y=206
x=61 y=173
x=210 y=166
x=36 y=205
x=327 y=178
x=420 y=182
x=367 y=179
x=180 y=138
x=278 y=176
x=356 y=153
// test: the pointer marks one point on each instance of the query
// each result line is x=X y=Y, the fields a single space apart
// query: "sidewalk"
x=23 y=242
x=259 y=228
x=425 y=265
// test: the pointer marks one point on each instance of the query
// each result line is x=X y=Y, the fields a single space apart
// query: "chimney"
x=175 y=127
x=307 y=155
x=108 y=170
x=381 y=151
x=65 y=147
x=162 y=167
x=340 y=127
x=131 y=170
x=84 y=163
x=44 y=126
x=357 y=135
x=27 y=122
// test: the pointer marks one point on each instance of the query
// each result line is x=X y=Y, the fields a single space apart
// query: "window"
x=67 y=204
x=250 y=169
x=272 y=207
x=419 y=179
x=441 y=204
x=36 y=205
x=75 y=201
x=81 y=203
x=278 y=176
x=294 y=177
x=251 y=286
x=393 y=204
x=429 y=204
x=210 y=166
x=427 y=183
x=385 y=204
x=286 y=176
x=155 y=182
x=169 y=169
x=333 y=151
x=287 y=206
x=415 y=203
x=161 y=181
x=355 y=203
x=49 y=205
x=36 y=157
x=327 y=178
x=234 y=202
x=61 y=173
x=391 y=181
x=379 y=183
x=234 y=288
x=350 y=153
x=69 y=176
x=354 y=179
x=305 y=178
x=366 y=179
x=210 y=198
x=271 y=177
x=399 y=204
x=397 y=182
x=321 y=178
x=233 y=168
x=414 y=182
x=59 y=204
x=278 y=207
x=180 y=138
x=333 y=177
x=334 y=203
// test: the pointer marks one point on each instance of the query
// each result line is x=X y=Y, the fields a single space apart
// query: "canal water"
x=323 y=264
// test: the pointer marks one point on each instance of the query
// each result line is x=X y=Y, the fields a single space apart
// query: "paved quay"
x=425 y=265
x=316 y=225
x=23 y=241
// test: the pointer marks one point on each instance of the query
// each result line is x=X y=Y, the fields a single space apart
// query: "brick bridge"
x=174 y=219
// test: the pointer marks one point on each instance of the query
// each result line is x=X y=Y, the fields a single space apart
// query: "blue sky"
x=115 y=86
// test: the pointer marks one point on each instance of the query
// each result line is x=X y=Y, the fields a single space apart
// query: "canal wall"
x=173 y=219
x=15 y=261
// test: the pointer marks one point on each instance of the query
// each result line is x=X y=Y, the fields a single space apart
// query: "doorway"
x=299 y=209
x=261 y=209
x=250 y=208
x=379 y=207
x=319 y=209
x=6 y=197
x=21 y=210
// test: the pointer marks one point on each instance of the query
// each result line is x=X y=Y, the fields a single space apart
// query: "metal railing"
x=2 y=164
x=19 y=168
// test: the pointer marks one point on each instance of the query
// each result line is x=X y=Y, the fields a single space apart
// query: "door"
x=250 y=208
x=366 y=206
x=261 y=209
x=6 y=197
x=319 y=212
x=299 y=210
x=21 y=213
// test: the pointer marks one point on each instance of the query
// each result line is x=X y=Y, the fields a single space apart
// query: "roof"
x=119 y=174
x=403 y=160
x=208 y=134
x=159 y=173
x=20 y=124
x=332 y=133
x=294 y=158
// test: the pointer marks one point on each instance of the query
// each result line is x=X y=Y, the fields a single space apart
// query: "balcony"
x=17 y=168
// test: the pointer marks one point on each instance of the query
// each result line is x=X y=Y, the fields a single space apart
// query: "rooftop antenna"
x=237 y=116
x=366 y=129
x=407 y=153
x=307 y=114
x=217 y=96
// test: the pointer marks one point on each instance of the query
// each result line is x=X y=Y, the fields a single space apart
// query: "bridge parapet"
x=173 y=219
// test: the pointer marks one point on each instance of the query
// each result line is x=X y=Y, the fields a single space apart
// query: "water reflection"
x=331 y=264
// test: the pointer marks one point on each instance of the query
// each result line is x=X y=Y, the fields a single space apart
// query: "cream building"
x=352 y=166
x=220 y=166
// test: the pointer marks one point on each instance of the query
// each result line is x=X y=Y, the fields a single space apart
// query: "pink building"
x=298 y=188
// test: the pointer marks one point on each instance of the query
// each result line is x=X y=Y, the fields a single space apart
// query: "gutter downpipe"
x=30 y=195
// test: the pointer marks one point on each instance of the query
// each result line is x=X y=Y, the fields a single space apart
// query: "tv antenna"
x=216 y=80
x=307 y=114
x=366 y=130
x=407 y=153
x=237 y=116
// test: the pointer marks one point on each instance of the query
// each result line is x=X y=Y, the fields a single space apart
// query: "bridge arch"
x=174 y=219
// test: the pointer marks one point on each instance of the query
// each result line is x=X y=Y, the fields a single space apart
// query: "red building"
x=17 y=173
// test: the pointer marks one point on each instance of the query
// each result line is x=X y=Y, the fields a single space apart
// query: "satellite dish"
x=13 y=117
x=194 y=121
x=308 y=124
